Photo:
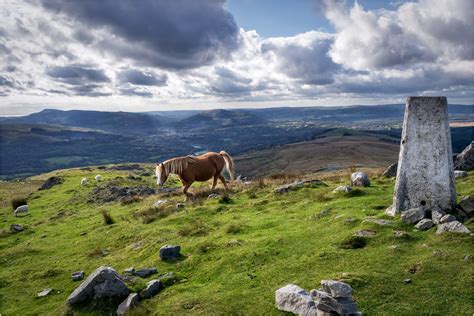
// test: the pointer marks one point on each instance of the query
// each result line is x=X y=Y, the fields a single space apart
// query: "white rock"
x=337 y=288
x=160 y=202
x=413 y=215
x=424 y=224
x=360 y=179
x=22 y=209
x=436 y=215
x=454 y=227
x=130 y=302
x=291 y=298
x=447 y=218
x=460 y=174
x=342 y=189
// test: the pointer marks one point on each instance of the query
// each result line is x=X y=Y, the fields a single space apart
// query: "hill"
x=236 y=252
x=115 y=122
x=220 y=118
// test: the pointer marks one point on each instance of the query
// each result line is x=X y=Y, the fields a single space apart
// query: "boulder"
x=50 y=182
x=454 y=227
x=170 y=252
x=337 y=288
x=291 y=298
x=360 y=179
x=467 y=205
x=146 y=272
x=436 y=215
x=22 y=209
x=78 y=275
x=16 y=228
x=152 y=288
x=44 y=293
x=465 y=160
x=103 y=283
x=130 y=302
x=129 y=271
x=413 y=215
x=447 y=218
x=424 y=224
x=391 y=171
x=342 y=189
x=460 y=174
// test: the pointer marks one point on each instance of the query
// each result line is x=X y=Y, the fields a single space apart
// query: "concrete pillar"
x=425 y=175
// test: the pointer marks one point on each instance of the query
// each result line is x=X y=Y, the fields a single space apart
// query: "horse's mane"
x=177 y=165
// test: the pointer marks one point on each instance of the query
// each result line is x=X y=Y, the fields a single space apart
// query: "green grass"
x=235 y=254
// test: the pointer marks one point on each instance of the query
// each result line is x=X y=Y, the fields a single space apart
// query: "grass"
x=245 y=249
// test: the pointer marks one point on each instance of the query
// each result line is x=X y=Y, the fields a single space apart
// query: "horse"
x=200 y=168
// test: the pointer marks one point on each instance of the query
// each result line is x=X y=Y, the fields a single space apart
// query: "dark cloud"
x=6 y=82
x=174 y=34
x=89 y=90
x=138 y=77
x=135 y=92
x=77 y=75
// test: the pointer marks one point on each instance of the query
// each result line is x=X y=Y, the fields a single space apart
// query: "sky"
x=152 y=55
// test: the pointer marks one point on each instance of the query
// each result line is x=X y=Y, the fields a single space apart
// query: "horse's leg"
x=214 y=182
x=221 y=177
x=185 y=189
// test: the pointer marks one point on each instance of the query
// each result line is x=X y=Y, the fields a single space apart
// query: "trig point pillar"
x=425 y=174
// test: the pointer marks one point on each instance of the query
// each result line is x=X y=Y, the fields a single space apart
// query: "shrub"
x=353 y=242
x=18 y=201
x=233 y=229
x=130 y=199
x=108 y=220
x=151 y=213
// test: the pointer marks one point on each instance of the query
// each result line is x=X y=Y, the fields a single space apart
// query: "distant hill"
x=115 y=122
x=221 y=118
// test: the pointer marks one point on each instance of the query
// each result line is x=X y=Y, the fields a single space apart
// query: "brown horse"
x=200 y=168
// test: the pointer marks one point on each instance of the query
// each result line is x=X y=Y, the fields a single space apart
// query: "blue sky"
x=167 y=55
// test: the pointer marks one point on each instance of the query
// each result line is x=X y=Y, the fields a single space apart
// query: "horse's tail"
x=229 y=164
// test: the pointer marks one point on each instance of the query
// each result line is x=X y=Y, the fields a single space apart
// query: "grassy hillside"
x=236 y=253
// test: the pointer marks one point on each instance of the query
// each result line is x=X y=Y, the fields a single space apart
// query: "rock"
x=78 y=275
x=152 y=288
x=129 y=271
x=454 y=227
x=291 y=298
x=146 y=272
x=16 y=228
x=22 y=209
x=465 y=160
x=324 y=302
x=44 y=293
x=447 y=218
x=413 y=215
x=467 y=205
x=50 y=183
x=337 y=288
x=391 y=171
x=378 y=221
x=130 y=302
x=407 y=281
x=170 y=252
x=436 y=215
x=365 y=233
x=360 y=179
x=424 y=224
x=160 y=202
x=342 y=189
x=460 y=174
x=103 y=283
x=180 y=206
x=83 y=233
x=296 y=185
x=213 y=196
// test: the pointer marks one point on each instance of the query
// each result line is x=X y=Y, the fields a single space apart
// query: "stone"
x=16 y=228
x=360 y=179
x=391 y=171
x=342 y=189
x=447 y=218
x=413 y=215
x=180 y=206
x=146 y=272
x=460 y=174
x=365 y=233
x=130 y=302
x=213 y=196
x=424 y=224
x=465 y=160
x=454 y=227
x=407 y=281
x=436 y=215
x=103 y=283
x=170 y=252
x=44 y=293
x=129 y=271
x=78 y=275
x=291 y=298
x=425 y=176
x=378 y=221
x=50 y=182
x=152 y=288
x=467 y=205
x=22 y=209
x=160 y=202
x=337 y=288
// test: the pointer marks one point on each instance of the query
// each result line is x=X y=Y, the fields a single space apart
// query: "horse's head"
x=161 y=175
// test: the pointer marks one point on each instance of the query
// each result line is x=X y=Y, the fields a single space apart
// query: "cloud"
x=77 y=75
x=142 y=78
x=175 y=34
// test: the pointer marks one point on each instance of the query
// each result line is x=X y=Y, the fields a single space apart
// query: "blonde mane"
x=177 y=165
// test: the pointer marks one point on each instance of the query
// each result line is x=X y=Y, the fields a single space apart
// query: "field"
x=237 y=252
